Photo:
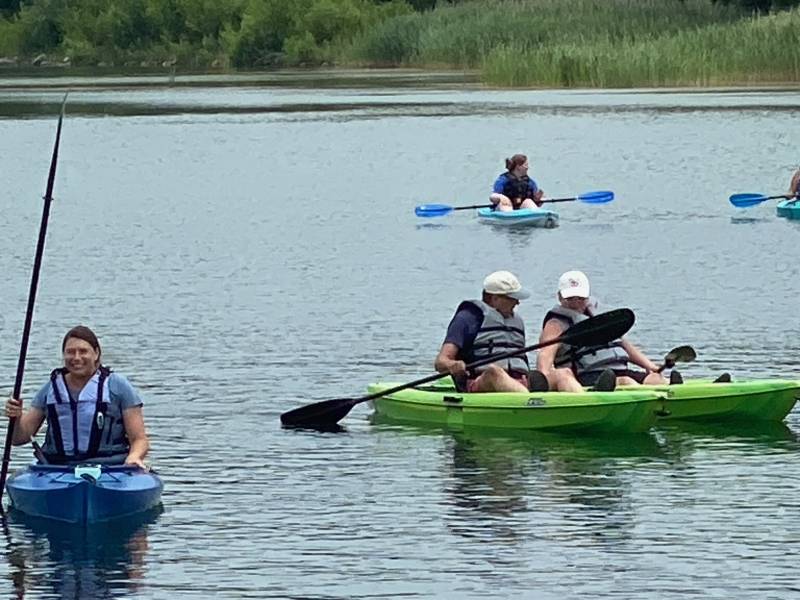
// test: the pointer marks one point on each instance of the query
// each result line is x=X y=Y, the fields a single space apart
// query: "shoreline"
x=323 y=77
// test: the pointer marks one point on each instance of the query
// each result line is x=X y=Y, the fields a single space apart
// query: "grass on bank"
x=604 y=43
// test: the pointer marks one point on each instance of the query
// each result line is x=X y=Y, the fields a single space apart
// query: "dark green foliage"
x=761 y=5
x=40 y=26
x=253 y=33
x=8 y=7
x=418 y=5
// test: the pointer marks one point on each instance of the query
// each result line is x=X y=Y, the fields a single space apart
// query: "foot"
x=460 y=382
x=724 y=378
x=607 y=381
x=537 y=382
x=675 y=378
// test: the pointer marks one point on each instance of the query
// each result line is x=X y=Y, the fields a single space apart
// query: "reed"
x=608 y=43
x=755 y=49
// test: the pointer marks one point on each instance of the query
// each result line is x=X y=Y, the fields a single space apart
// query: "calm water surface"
x=246 y=245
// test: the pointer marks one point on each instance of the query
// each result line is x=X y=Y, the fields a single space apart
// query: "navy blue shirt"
x=463 y=329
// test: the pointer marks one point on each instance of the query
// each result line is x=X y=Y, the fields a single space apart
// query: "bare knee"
x=654 y=379
x=565 y=381
x=625 y=380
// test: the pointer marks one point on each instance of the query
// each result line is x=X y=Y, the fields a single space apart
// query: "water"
x=246 y=245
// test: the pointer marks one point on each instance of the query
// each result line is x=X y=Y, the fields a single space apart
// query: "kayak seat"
x=675 y=378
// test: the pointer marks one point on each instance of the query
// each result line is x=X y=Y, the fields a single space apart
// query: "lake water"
x=245 y=245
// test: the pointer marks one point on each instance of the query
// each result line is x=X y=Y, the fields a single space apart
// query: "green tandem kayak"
x=624 y=410
x=755 y=400
x=630 y=411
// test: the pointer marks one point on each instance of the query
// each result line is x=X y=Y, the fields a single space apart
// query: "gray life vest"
x=584 y=359
x=83 y=428
x=498 y=335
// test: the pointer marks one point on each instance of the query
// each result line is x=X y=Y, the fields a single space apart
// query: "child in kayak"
x=514 y=189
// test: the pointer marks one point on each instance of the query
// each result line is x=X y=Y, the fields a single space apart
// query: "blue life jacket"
x=84 y=428
x=516 y=188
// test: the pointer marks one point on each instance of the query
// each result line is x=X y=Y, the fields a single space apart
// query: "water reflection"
x=48 y=559
x=504 y=485
x=683 y=439
x=747 y=219
x=575 y=483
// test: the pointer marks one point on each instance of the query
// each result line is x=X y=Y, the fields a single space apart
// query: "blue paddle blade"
x=747 y=200
x=432 y=210
x=599 y=197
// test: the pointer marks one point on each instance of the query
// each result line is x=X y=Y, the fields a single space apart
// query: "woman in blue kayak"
x=92 y=414
x=514 y=189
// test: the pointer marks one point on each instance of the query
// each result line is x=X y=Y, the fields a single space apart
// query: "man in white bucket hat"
x=489 y=327
x=570 y=368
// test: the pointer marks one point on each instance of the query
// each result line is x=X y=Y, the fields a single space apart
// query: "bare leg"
x=495 y=379
x=654 y=379
x=505 y=205
x=565 y=381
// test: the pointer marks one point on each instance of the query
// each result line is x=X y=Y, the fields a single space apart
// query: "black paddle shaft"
x=593 y=331
x=26 y=331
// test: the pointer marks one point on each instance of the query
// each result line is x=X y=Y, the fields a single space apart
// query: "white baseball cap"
x=572 y=284
x=504 y=283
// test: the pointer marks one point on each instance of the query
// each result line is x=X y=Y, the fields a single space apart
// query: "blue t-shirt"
x=120 y=390
x=463 y=329
x=507 y=178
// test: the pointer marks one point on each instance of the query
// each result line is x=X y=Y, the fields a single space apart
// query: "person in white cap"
x=570 y=368
x=488 y=327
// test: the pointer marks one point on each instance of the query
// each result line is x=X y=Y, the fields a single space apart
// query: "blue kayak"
x=525 y=217
x=789 y=209
x=84 y=493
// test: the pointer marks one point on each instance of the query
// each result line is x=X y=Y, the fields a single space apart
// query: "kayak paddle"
x=37 y=263
x=749 y=200
x=592 y=332
x=440 y=210
x=681 y=354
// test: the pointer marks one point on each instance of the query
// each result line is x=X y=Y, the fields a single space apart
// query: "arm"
x=447 y=360
x=545 y=361
x=496 y=198
x=497 y=194
x=27 y=424
x=637 y=357
x=535 y=193
x=133 y=420
x=794 y=186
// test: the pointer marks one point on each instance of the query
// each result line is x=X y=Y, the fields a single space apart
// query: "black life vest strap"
x=100 y=409
x=53 y=424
